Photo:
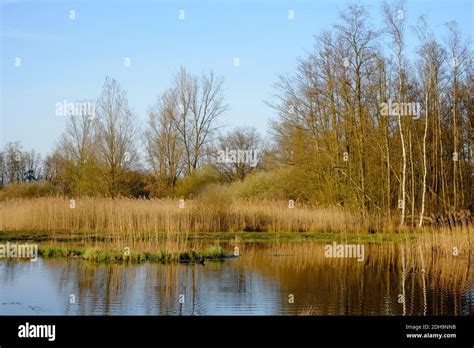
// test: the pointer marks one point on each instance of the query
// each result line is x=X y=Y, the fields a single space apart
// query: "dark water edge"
x=284 y=280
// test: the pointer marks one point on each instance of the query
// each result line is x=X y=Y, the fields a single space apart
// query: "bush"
x=283 y=183
x=193 y=184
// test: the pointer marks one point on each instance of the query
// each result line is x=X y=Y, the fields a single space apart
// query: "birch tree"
x=395 y=19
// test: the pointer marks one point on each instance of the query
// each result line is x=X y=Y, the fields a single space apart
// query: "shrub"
x=191 y=185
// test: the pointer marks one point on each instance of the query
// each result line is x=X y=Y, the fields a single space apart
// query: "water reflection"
x=263 y=281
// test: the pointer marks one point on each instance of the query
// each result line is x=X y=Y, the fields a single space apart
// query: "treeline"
x=181 y=149
x=361 y=123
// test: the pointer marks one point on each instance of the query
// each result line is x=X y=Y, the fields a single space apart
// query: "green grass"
x=225 y=236
x=70 y=245
x=99 y=255
x=251 y=237
x=48 y=251
x=322 y=237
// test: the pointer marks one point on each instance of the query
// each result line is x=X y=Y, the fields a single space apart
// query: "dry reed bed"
x=146 y=219
x=160 y=224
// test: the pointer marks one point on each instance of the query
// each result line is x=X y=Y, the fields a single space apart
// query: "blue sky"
x=69 y=59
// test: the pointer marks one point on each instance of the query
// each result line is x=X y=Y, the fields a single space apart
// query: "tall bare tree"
x=200 y=103
x=458 y=59
x=14 y=162
x=164 y=145
x=395 y=20
x=117 y=136
x=76 y=150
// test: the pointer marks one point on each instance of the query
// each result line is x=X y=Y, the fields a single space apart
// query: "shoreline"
x=195 y=247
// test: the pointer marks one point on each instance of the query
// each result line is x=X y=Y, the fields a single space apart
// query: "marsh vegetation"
x=369 y=144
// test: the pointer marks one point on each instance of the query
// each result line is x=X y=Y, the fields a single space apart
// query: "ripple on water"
x=258 y=283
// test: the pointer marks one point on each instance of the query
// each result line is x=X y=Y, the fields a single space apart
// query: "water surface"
x=279 y=280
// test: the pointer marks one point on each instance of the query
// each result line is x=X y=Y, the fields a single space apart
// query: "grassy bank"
x=160 y=230
x=196 y=248
x=225 y=237
x=102 y=254
x=218 y=245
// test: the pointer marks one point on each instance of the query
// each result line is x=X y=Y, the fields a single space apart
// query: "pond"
x=286 y=279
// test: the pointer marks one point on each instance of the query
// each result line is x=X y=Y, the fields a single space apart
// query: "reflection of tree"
x=259 y=282
x=97 y=288
x=349 y=287
x=217 y=288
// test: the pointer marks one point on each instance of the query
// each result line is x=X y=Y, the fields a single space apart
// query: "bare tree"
x=75 y=154
x=425 y=72
x=459 y=54
x=200 y=103
x=395 y=19
x=164 y=145
x=3 y=169
x=117 y=134
x=52 y=167
x=79 y=140
x=32 y=166
x=358 y=40
x=238 y=153
x=14 y=162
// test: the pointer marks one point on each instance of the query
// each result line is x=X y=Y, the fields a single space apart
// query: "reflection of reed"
x=403 y=273
x=431 y=283
x=435 y=282
x=423 y=279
